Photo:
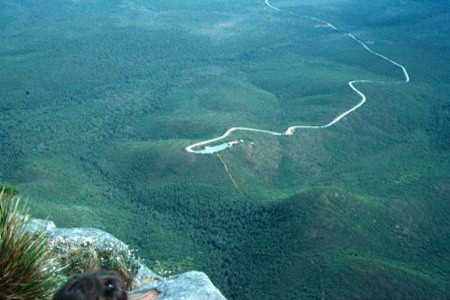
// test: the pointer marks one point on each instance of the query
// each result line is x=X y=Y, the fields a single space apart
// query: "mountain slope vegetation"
x=98 y=100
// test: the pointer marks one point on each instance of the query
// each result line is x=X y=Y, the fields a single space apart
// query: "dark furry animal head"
x=103 y=285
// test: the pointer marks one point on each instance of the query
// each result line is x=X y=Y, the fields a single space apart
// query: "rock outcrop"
x=147 y=284
x=187 y=286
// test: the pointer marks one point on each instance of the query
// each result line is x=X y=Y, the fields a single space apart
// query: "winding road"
x=290 y=130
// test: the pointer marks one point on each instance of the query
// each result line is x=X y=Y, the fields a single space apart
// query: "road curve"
x=271 y=6
x=290 y=130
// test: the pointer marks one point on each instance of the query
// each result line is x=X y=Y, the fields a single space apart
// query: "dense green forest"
x=98 y=100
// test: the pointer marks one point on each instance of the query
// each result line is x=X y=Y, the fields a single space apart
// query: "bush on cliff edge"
x=26 y=268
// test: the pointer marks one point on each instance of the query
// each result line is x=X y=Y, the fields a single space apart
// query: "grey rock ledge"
x=191 y=285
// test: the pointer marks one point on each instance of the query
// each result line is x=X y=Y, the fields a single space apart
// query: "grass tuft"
x=27 y=268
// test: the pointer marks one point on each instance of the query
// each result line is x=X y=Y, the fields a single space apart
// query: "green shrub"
x=87 y=258
x=27 y=270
